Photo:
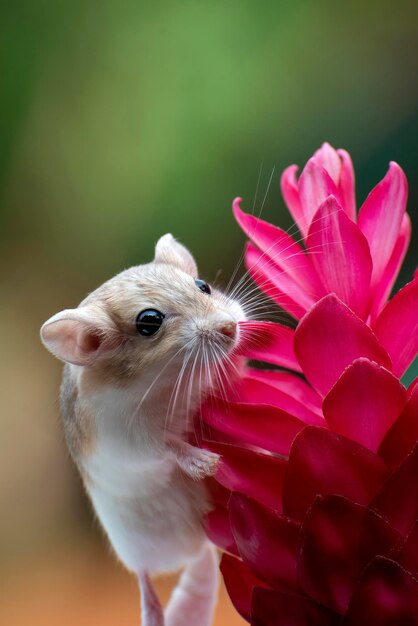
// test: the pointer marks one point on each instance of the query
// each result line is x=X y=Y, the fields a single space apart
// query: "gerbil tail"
x=194 y=599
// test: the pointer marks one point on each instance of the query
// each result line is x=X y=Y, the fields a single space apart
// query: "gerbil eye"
x=148 y=322
x=200 y=284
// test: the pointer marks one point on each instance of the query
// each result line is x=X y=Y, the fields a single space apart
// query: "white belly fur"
x=150 y=510
x=159 y=531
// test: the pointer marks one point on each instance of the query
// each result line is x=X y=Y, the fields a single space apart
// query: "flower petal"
x=258 y=425
x=340 y=255
x=290 y=383
x=216 y=522
x=268 y=342
x=218 y=529
x=315 y=185
x=397 y=327
x=273 y=608
x=387 y=595
x=408 y=556
x=239 y=582
x=329 y=160
x=397 y=499
x=367 y=414
x=347 y=185
x=402 y=437
x=391 y=271
x=280 y=247
x=253 y=389
x=290 y=193
x=275 y=283
x=257 y=475
x=323 y=463
x=266 y=541
x=381 y=215
x=329 y=338
x=339 y=538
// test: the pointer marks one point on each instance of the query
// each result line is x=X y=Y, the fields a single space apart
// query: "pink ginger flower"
x=356 y=257
x=321 y=511
x=321 y=526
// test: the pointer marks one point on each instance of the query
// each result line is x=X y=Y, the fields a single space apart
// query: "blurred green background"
x=123 y=120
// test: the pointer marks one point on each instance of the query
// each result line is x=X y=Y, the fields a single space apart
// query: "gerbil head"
x=149 y=319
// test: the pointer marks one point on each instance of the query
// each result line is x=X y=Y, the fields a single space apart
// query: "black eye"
x=148 y=322
x=200 y=284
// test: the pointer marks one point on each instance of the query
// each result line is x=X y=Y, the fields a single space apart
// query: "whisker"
x=151 y=386
x=234 y=273
x=281 y=252
x=175 y=392
x=220 y=382
x=189 y=387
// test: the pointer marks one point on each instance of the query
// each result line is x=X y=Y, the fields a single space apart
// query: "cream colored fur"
x=127 y=417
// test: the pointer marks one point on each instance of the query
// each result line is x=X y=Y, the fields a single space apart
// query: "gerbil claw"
x=195 y=462
x=202 y=463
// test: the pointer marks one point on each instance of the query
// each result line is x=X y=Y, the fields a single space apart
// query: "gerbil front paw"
x=201 y=463
x=195 y=462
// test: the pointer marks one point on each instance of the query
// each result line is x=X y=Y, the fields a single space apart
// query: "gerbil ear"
x=79 y=336
x=170 y=251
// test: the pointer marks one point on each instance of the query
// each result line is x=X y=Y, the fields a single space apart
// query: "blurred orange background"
x=84 y=586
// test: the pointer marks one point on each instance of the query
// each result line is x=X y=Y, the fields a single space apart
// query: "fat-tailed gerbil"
x=141 y=352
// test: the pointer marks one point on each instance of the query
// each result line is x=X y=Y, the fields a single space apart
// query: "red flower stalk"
x=315 y=498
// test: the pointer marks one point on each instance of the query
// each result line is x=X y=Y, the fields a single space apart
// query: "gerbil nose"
x=229 y=329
